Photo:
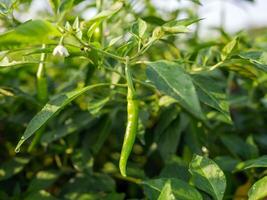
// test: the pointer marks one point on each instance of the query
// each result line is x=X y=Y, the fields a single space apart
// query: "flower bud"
x=60 y=50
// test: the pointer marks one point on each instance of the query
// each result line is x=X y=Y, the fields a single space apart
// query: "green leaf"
x=172 y=80
x=212 y=95
x=43 y=180
x=28 y=33
x=180 y=189
x=114 y=41
x=238 y=147
x=5 y=63
x=207 y=176
x=226 y=163
x=85 y=183
x=102 y=132
x=197 y=2
x=166 y=192
x=54 y=4
x=165 y=119
x=182 y=22
x=52 y=108
x=257 y=58
x=65 y=6
x=258 y=190
x=229 y=48
x=74 y=125
x=175 y=167
x=40 y=195
x=12 y=167
x=139 y=28
x=253 y=163
x=170 y=138
x=106 y=13
x=175 y=29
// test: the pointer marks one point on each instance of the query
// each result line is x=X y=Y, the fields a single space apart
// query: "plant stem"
x=41 y=86
x=84 y=44
x=100 y=4
x=42 y=94
x=123 y=76
x=129 y=179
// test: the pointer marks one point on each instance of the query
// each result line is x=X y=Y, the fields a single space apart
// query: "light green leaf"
x=228 y=48
x=114 y=41
x=4 y=64
x=12 y=167
x=180 y=189
x=175 y=29
x=54 y=4
x=31 y=32
x=258 y=190
x=65 y=6
x=253 y=163
x=166 y=192
x=139 y=28
x=52 y=108
x=106 y=13
x=172 y=80
x=207 y=176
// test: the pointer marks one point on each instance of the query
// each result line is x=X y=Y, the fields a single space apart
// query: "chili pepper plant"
x=129 y=103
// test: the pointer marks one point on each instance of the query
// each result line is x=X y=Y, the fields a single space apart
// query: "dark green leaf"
x=172 y=80
x=43 y=180
x=12 y=167
x=52 y=108
x=212 y=95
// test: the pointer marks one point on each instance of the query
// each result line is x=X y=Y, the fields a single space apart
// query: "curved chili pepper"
x=132 y=121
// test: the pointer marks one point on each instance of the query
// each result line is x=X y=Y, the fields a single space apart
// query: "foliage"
x=66 y=83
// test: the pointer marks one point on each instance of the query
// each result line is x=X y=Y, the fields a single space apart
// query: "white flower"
x=60 y=50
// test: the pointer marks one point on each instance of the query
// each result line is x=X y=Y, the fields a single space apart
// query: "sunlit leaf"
x=258 y=190
x=207 y=176
x=31 y=32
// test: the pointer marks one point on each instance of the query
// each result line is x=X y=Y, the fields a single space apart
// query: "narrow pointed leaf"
x=52 y=108
x=253 y=163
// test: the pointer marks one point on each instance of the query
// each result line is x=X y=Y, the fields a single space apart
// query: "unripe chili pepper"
x=132 y=121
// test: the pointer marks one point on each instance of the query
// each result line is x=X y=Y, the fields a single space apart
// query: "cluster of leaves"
x=202 y=123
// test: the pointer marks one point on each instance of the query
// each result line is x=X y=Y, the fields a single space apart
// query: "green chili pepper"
x=132 y=121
